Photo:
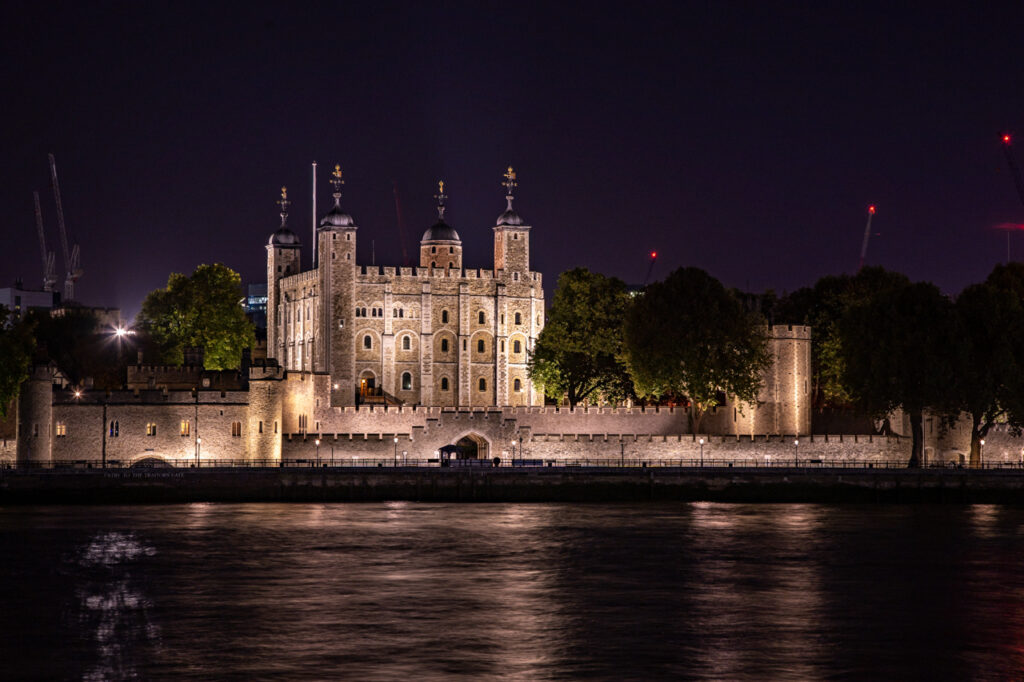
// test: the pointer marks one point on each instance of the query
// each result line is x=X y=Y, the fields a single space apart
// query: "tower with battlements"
x=436 y=334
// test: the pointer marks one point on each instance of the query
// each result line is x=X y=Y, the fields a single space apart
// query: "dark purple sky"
x=741 y=138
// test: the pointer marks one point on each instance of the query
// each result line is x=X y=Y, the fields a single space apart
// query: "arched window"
x=406 y=343
x=517 y=385
x=433 y=264
x=444 y=317
x=519 y=318
x=451 y=249
x=444 y=345
x=483 y=384
x=433 y=249
x=480 y=346
x=406 y=380
x=481 y=317
x=444 y=383
x=367 y=342
x=517 y=347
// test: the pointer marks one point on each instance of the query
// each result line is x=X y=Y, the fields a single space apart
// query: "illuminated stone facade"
x=438 y=334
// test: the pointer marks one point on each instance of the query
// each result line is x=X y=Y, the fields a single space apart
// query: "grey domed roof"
x=284 y=237
x=337 y=218
x=509 y=217
x=441 y=232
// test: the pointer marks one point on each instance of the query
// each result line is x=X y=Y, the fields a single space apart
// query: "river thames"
x=512 y=591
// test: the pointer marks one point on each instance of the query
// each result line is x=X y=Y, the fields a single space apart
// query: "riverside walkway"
x=573 y=482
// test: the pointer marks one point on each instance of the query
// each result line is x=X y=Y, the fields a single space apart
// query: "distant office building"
x=256 y=306
x=19 y=300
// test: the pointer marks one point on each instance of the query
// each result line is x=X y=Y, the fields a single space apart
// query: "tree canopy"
x=688 y=335
x=16 y=347
x=822 y=306
x=989 y=355
x=201 y=311
x=897 y=352
x=579 y=352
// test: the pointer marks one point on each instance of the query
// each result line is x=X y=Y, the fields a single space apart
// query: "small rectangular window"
x=186 y=427
x=236 y=429
x=150 y=429
x=62 y=429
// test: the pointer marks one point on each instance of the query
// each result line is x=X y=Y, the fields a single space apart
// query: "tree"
x=821 y=307
x=579 y=352
x=688 y=335
x=990 y=358
x=199 y=311
x=16 y=346
x=897 y=352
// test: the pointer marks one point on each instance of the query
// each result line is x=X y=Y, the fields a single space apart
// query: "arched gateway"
x=473 y=446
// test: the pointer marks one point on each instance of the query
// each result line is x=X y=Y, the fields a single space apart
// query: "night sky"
x=745 y=139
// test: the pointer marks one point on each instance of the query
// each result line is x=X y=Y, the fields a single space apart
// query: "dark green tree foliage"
x=16 y=346
x=579 y=352
x=897 y=352
x=989 y=351
x=199 y=311
x=689 y=336
x=68 y=339
x=821 y=307
x=1008 y=277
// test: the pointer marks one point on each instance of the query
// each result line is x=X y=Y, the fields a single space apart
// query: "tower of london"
x=439 y=334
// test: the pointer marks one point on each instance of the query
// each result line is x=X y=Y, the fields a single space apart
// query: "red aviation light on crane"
x=654 y=254
x=871 y=209
x=1006 y=139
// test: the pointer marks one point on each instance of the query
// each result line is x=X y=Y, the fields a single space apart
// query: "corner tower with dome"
x=439 y=334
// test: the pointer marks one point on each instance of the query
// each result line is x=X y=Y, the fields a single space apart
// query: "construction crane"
x=867 y=235
x=1018 y=183
x=650 y=268
x=401 y=224
x=71 y=256
x=49 y=274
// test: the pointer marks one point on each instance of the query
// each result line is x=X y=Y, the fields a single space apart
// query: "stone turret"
x=511 y=237
x=35 y=418
x=266 y=398
x=337 y=272
x=441 y=246
x=283 y=251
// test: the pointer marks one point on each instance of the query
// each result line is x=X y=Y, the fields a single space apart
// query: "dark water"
x=516 y=591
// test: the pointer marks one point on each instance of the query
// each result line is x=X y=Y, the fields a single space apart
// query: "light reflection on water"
x=516 y=591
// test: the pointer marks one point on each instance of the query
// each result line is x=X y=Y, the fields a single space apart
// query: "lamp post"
x=396 y=449
x=199 y=445
x=622 y=454
x=796 y=450
x=702 y=453
x=317 y=441
x=514 y=451
x=981 y=454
